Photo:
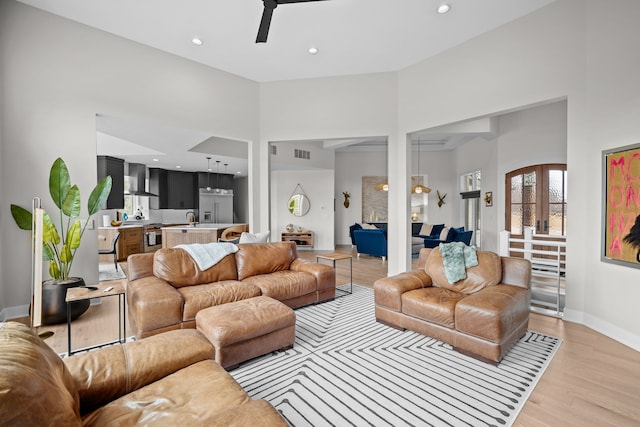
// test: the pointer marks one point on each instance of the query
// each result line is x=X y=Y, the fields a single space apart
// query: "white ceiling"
x=353 y=36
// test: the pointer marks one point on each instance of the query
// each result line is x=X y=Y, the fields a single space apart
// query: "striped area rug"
x=348 y=370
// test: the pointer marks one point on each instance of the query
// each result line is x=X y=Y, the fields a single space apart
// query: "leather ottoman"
x=245 y=329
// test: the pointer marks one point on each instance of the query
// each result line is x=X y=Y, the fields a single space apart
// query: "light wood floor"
x=592 y=381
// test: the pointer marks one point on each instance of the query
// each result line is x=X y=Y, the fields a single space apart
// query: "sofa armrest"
x=153 y=304
x=140 y=265
x=325 y=275
x=388 y=290
x=106 y=374
x=516 y=272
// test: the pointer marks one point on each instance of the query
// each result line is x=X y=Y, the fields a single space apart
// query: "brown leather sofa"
x=166 y=289
x=483 y=315
x=166 y=380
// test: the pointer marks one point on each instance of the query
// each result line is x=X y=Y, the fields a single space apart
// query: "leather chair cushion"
x=177 y=267
x=200 y=297
x=488 y=272
x=436 y=305
x=36 y=388
x=263 y=258
x=491 y=313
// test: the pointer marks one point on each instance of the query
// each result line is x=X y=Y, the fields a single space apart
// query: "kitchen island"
x=198 y=233
x=130 y=241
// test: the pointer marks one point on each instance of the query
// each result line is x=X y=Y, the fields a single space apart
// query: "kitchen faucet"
x=191 y=217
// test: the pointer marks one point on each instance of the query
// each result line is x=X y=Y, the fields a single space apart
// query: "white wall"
x=56 y=76
x=320 y=218
x=350 y=168
x=579 y=50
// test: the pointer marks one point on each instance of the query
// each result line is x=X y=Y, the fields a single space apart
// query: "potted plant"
x=60 y=244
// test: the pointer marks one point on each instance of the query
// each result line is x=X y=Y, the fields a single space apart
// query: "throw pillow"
x=426 y=229
x=443 y=234
x=369 y=226
x=254 y=238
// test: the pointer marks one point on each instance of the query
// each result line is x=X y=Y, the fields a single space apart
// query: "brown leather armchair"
x=169 y=379
x=483 y=315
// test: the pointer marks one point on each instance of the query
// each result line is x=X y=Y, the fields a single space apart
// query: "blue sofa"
x=371 y=242
x=454 y=235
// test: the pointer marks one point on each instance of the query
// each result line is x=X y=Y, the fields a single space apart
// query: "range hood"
x=137 y=178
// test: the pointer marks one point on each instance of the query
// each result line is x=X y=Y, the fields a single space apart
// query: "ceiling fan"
x=265 y=22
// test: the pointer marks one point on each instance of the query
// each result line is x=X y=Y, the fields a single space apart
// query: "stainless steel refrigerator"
x=216 y=206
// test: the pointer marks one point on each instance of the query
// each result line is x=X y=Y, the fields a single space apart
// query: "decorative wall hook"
x=441 y=198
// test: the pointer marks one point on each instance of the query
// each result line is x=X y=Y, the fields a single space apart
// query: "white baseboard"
x=14 y=312
x=605 y=328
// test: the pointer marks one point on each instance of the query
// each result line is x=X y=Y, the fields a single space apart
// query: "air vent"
x=302 y=154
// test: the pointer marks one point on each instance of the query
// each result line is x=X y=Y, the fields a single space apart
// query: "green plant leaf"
x=47 y=252
x=73 y=235
x=22 y=217
x=71 y=205
x=99 y=195
x=49 y=231
x=54 y=271
x=59 y=182
x=65 y=254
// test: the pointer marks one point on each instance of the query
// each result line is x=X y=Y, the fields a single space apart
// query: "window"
x=471 y=184
x=536 y=196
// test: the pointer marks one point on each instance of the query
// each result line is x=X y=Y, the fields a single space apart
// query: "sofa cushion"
x=283 y=285
x=492 y=312
x=36 y=389
x=436 y=305
x=199 y=297
x=488 y=272
x=263 y=258
x=194 y=395
x=444 y=233
x=177 y=267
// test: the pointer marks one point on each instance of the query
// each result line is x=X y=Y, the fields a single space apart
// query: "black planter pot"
x=54 y=307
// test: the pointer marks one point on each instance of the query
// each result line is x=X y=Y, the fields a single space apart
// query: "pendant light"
x=419 y=189
x=217 y=176
x=208 y=173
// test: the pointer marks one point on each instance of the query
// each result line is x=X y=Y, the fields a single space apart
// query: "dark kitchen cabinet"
x=222 y=180
x=111 y=166
x=175 y=189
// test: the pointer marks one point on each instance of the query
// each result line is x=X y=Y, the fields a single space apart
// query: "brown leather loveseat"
x=483 y=315
x=166 y=289
x=166 y=380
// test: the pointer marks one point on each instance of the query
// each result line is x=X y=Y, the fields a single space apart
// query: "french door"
x=536 y=196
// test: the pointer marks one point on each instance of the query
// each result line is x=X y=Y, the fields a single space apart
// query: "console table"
x=302 y=238
x=335 y=256
x=82 y=293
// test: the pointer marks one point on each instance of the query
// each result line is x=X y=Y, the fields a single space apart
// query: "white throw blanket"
x=206 y=255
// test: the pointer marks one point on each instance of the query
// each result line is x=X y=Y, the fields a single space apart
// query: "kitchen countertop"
x=118 y=227
x=199 y=227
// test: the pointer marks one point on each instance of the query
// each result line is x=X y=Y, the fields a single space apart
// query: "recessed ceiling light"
x=178 y=167
x=313 y=50
x=156 y=160
x=443 y=8
x=197 y=41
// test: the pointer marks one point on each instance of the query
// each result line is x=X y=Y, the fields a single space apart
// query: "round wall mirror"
x=299 y=204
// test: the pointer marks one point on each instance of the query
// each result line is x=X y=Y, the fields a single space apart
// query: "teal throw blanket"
x=457 y=257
